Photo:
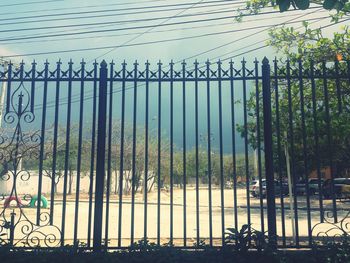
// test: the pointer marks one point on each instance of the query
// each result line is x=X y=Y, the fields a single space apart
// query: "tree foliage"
x=341 y=7
x=314 y=108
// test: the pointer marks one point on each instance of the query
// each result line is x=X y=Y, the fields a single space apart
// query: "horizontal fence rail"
x=116 y=155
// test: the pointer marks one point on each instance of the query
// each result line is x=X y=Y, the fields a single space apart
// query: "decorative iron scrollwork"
x=331 y=228
x=16 y=227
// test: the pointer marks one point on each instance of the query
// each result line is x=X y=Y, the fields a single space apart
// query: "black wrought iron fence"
x=174 y=154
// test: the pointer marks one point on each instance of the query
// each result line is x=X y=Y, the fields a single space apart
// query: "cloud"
x=4 y=52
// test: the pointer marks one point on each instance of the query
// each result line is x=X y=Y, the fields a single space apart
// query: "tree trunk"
x=70 y=182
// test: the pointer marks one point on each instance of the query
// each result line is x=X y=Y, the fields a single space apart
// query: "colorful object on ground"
x=34 y=200
x=12 y=198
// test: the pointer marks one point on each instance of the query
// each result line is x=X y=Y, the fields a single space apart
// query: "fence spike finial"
x=265 y=61
x=103 y=64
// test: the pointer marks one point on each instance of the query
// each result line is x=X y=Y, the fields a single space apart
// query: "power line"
x=263 y=46
x=31 y=3
x=242 y=39
x=254 y=34
x=112 y=22
x=251 y=50
x=78 y=7
x=150 y=29
x=145 y=43
x=133 y=28
x=225 y=3
x=92 y=6
x=159 y=31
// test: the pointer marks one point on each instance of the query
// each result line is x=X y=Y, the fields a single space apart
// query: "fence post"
x=270 y=185
x=12 y=228
x=100 y=162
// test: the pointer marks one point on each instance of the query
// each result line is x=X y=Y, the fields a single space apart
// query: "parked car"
x=313 y=186
x=341 y=188
x=255 y=188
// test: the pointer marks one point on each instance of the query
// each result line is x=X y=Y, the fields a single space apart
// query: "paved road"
x=255 y=216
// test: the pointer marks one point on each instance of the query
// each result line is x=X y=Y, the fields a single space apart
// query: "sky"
x=136 y=22
x=143 y=30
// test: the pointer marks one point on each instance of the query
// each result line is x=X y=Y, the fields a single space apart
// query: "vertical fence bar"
x=67 y=153
x=55 y=137
x=146 y=155
x=42 y=143
x=9 y=83
x=100 y=162
x=329 y=138
x=80 y=144
x=292 y=157
x=258 y=141
x=233 y=121
x=159 y=148
x=92 y=154
x=32 y=88
x=171 y=151
x=303 y=128
x=279 y=152
x=209 y=155
x=246 y=151
x=337 y=84
x=222 y=181
x=109 y=153
x=12 y=228
x=316 y=138
x=269 y=171
x=197 y=146
x=184 y=147
x=121 y=167
x=133 y=175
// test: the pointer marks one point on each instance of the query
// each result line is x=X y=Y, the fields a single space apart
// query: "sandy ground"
x=243 y=215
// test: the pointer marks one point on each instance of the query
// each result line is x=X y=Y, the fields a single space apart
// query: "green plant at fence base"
x=143 y=245
x=246 y=238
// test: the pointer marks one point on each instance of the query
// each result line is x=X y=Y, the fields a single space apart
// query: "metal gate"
x=173 y=154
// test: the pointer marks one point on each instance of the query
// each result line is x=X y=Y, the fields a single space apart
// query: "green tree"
x=309 y=52
x=255 y=6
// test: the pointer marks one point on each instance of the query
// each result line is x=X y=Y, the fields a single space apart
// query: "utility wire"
x=263 y=46
x=31 y=3
x=135 y=27
x=254 y=33
x=99 y=27
x=231 y=43
x=78 y=7
x=160 y=31
x=132 y=12
x=225 y=59
x=149 y=42
x=122 y=21
x=149 y=30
